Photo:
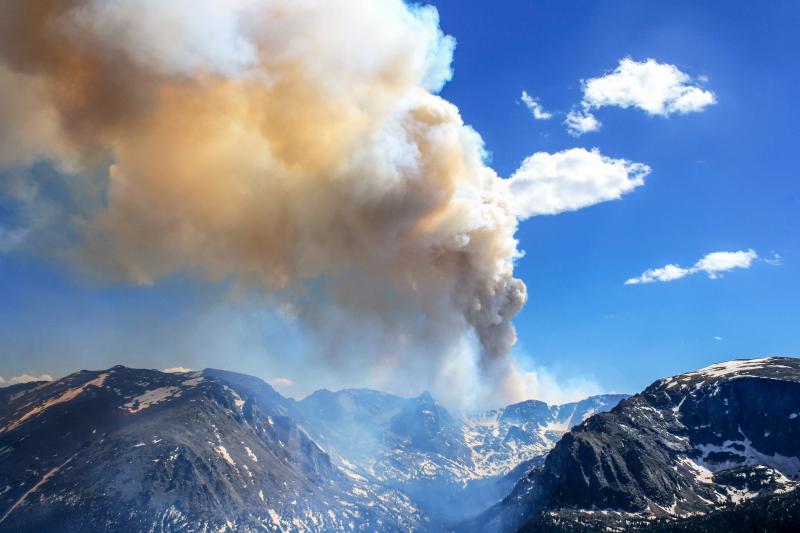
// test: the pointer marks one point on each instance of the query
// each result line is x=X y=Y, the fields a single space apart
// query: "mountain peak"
x=426 y=396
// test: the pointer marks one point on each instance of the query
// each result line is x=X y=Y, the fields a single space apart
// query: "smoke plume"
x=296 y=146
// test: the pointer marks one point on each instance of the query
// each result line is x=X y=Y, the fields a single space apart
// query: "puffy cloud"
x=717 y=338
x=712 y=264
x=580 y=122
x=547 y=184
x=281 y=382
x=535 y=107
x=27 y=378
x=2 y=380
x=655 y=88
x=717 y=262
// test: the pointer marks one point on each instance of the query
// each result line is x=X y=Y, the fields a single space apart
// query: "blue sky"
x=723 y=178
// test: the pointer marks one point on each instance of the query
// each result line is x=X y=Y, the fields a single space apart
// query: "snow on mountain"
x=144 y=450
x=502 y=439
x=127 y=449
x=449 y=465
x=688 y=445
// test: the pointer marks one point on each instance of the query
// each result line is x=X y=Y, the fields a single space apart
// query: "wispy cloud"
x=177 y=370
x=775 y=260
x=547 y=184
x=717 y=338
x=712 y=264
x=535 y=107
x=281 y=382
x=655 y=88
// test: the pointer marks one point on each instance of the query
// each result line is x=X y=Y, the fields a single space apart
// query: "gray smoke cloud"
x=297 y=147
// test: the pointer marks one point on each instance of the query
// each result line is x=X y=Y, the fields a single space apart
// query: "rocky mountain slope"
x=141 y=450
x=144 y=450
x=686 y=446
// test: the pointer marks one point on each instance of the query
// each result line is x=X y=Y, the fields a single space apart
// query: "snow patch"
x=223 y=452
x=195 y=380
x=703 y=474
x=250 y=454
x=150 y=398
x=733 y=367
x=359 y=492
x=750 y=456
x=275 y=517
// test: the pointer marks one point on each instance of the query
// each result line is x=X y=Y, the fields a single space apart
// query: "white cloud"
x=717 y=262
x=281 y=382
x=27 y=378
x=712 y=264
x=717 y=338
x=655 y=88
x=547 y=184
x=580 y=122
x=177 y=370
x=535 y=107
x=2 y=380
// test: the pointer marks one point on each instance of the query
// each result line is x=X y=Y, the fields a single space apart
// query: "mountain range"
x=143 y=450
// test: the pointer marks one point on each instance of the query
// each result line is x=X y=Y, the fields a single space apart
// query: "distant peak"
x=426 y=397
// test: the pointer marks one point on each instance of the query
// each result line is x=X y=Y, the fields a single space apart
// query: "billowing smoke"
x=294 y=146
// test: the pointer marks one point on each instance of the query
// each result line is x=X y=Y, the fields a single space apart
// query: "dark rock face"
x=686 y=445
